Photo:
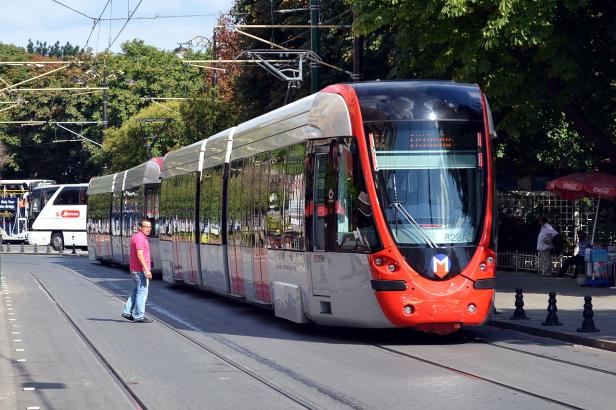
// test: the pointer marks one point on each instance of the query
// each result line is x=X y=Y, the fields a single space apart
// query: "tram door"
x=323 y=226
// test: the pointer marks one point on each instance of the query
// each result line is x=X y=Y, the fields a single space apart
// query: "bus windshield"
x=38 y=200
x=430 y=179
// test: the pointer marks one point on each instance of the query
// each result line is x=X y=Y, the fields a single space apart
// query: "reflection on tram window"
x=177 y=213
x=210 y=206
x=234 y=212
x=116 y=213
x=342 y=220
x=431 y=177
x=131 y=210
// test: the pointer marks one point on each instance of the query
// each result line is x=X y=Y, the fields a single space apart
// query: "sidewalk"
x=570 y=304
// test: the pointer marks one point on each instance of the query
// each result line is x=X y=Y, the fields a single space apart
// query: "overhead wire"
x=122 y=29
x=162 y=17
x=96 y=21
x=308 y=31
x=70 y=8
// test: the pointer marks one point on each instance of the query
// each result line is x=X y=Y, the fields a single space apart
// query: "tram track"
x=137 y=403
x=476 y=376
x=225 y=358
x=171 y=324
x=475 y=339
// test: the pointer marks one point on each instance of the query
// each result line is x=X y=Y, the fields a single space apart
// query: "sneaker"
x=129 y=317
x=143 y=320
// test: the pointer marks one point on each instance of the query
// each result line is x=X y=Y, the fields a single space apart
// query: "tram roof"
x=320 y=115
x=100 y=185
x=216 y=148
x=146 y=173
x=118 y=184
x=419 y=100
x=184 y=160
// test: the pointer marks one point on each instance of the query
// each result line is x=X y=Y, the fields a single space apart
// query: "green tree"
x=162 y=127
x=536 y=61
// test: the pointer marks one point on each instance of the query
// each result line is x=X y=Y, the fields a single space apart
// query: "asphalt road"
x=205 y=351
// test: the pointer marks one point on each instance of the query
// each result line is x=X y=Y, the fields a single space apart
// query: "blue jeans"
x=138 y=296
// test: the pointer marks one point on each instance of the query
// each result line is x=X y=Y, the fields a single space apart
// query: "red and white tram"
x=116 y=202
x=366 y=205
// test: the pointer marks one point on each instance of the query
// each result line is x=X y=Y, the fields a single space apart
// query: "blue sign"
x=8 y=204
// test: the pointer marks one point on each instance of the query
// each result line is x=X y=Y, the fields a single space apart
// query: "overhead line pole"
x=358 y=55
x=315 y=46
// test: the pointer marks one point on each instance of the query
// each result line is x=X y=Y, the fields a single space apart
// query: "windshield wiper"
x=414 y=223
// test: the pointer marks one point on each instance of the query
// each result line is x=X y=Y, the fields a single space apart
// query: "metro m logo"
x=441 y=265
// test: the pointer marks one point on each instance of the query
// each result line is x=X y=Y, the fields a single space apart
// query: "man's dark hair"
x=141 y=221
x=543 y=220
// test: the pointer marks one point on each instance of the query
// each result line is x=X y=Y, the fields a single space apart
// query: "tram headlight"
x=379 y=261
x=490 y=260
x=408 y=309
x=483 y=266
x=392 y=267
x=472 y=308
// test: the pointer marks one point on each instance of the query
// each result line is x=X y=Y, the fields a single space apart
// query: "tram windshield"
x=428 y=155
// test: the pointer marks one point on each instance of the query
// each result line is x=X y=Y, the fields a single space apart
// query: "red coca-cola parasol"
x=586 y=184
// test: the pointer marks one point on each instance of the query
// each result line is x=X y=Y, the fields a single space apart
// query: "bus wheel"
x=57 y=242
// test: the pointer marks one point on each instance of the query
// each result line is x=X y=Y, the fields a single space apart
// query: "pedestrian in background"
x=577 y=259
x=140 y=270
x=544 y=246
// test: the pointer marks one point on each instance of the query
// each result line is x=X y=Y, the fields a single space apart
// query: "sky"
x=48 y=21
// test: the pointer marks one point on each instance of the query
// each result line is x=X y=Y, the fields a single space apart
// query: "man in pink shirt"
x=140 y=265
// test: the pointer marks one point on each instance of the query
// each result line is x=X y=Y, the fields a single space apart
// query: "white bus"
x=14 y=206
x=57 y=216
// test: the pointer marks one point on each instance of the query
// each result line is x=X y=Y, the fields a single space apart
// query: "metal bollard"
x=519 y=312
x=48 y=250
x=35 y=248
x=588 y=324
x=552 y=318
x=21 y=248
x=8 y=247
x=73 y=253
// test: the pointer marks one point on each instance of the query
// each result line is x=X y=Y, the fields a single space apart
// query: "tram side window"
x=234 y=225
x=131 y=212
x=211 y=198
x=342 y=213
x=216 y=205
x=165 y=210
x=276 y=198
x=204 y=206
x=261 y=194
x=116 y=213
x=293 y=213
x=184 y=206
x=150 y=207
x=355 y=224
x=246 y=195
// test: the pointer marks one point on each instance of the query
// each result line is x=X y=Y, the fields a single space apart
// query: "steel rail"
x=470 y=375
x=115 y=375
x=233 y=363
x=540 y=356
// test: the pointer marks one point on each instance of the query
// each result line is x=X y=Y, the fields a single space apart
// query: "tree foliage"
x=536 y=60
x=134 y=75
x=55 y=50
x=160 y=127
